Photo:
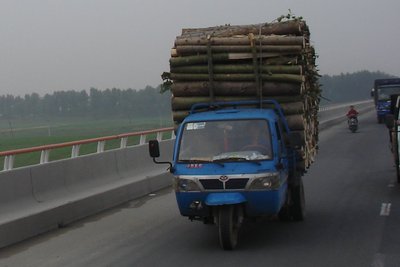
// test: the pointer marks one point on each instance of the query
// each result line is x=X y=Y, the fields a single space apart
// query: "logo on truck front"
x=224 y=178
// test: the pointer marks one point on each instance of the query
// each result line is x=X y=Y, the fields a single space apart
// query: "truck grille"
x=215 y=184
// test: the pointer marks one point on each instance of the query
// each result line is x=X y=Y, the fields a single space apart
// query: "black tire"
x=284 y=214
x=228 y=226
x=396 y=162
x=298 y=206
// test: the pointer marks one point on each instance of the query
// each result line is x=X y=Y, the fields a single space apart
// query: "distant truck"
x=383 y=89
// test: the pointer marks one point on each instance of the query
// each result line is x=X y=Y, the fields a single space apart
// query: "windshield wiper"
x=201 y=161
x=237 y=159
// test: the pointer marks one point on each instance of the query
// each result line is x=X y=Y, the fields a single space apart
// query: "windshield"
x=220 y=141
x=384 y=92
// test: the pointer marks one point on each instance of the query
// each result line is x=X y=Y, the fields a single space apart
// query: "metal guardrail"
x=9 y=156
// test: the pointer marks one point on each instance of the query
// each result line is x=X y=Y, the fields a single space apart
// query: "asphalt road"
x=353 y=219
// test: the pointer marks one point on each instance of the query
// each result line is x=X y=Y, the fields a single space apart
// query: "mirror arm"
x=170 y=168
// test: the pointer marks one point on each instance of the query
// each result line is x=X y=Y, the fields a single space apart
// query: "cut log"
x=236 y=88
x=242 y=40
x=185 y=103
x=291 y=27
x=238 y=77
x=238 y=68
x=201 y=49
x=222 y=57
x=295 y=108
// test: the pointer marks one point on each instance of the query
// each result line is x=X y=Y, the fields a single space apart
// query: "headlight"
x=185 y=185
x=270 y=181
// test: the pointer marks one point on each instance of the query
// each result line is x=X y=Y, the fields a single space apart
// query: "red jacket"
x=352 y=113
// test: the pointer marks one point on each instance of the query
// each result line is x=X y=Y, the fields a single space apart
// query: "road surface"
x=353 y=219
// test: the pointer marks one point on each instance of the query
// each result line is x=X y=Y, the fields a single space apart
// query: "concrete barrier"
x=36 y=199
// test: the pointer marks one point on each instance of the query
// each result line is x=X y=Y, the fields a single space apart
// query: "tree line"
x=150 y=102
x=347 y=87
x=96 y=103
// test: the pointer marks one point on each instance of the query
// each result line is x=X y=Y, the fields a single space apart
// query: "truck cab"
x=234 y=150
x=383 y=89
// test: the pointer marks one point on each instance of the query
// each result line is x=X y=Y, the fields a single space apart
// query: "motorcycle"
x=353 y=124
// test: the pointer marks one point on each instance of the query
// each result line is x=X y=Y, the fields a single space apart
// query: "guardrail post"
x=173 y=134
x=124 y=142
x=142 y=139
x=75 y=151
x=8 y=162
x=159 y=136
x=44 y=156
x=100 y=146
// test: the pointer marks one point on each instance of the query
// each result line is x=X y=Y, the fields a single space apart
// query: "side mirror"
x=389 y=121
x=295 y=140
x=154 y=149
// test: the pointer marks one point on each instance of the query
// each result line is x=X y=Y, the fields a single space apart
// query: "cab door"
x=282 y=162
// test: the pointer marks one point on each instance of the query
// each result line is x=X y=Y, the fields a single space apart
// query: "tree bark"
x=242 y=40
x=202 y=49
x=185 y=103
x=223 y=57
x=239 y=68
x=292 y=27
x=236 y=88
x=238 y=77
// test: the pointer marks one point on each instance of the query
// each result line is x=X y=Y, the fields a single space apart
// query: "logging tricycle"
x=236 y=160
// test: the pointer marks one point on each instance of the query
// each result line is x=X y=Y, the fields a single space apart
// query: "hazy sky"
x=53 y=45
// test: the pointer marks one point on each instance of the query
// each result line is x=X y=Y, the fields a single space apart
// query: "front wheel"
x=228 y=226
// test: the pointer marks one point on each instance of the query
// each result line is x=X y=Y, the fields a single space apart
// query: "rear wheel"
x=228 y=226
x=298 y=207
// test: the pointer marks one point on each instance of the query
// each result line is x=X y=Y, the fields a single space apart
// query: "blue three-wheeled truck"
x=236 y=160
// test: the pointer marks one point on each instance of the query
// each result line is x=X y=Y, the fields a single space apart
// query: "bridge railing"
x=45 y=150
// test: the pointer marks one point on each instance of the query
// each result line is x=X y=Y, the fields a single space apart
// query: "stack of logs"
x=249 y=62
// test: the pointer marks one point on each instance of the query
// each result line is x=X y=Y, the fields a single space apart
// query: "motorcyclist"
x=352 y=113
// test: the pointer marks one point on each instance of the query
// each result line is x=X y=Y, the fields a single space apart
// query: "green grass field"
x=15 y=134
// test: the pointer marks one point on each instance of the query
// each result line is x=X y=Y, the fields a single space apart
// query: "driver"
x=258 y=138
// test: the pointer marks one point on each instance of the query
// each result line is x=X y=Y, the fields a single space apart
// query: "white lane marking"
x=385 y=209
x=379 y=260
